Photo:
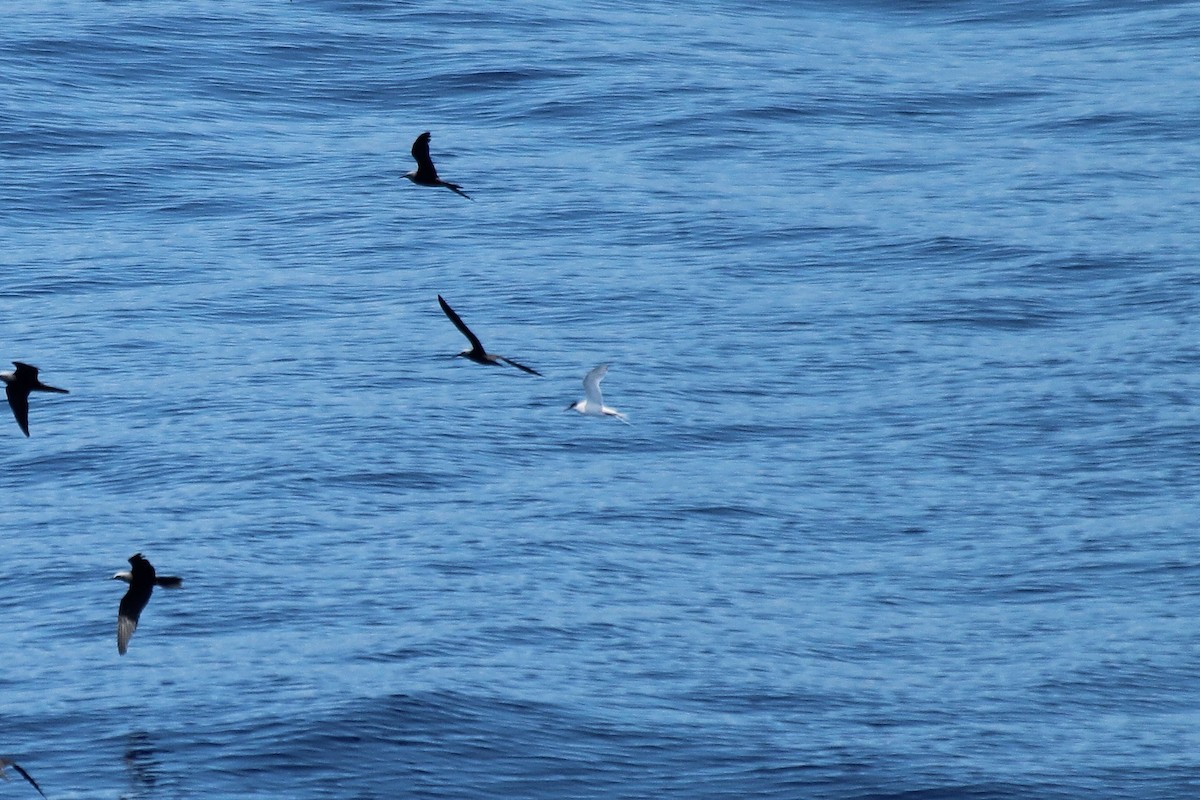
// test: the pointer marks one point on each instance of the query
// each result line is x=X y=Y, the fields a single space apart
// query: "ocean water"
x=900 y=299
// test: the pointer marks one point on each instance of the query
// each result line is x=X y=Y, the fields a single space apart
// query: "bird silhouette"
x=426 y=174
x=476 y=353
x=592 y=403
x=141 y=579
x=19 y=383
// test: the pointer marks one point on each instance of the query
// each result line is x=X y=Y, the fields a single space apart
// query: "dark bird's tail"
x=521 y=367
x=454 y=187
x=23 y=773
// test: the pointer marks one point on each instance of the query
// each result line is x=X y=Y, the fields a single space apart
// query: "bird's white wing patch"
x=125 y=629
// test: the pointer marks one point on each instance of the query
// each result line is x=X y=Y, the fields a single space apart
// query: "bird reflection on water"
x=142 y=764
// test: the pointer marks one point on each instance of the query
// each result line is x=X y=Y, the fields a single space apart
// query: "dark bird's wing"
x=18 y=400
x=141 y=588
x=458 y=323
x=27 y=777
x=27 y=375
x=131 y=609
x=420 y=151
x=25 y=372
x=530 y=370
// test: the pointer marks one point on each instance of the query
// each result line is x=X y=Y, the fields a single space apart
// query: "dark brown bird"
x=477 y=353
x=426 y=174
x=20 y=382
x=142 y=580
x=4 y=762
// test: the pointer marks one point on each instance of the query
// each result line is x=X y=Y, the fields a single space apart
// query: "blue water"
x=900 y=300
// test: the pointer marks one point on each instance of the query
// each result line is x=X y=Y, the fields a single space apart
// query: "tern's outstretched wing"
x=591 y=385
x=458 y=323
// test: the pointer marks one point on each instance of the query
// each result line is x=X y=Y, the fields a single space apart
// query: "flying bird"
x=426 y=174
x=4 y=762
x=141 y=579
x=477 y=353
x=592 y=403
x=20 y=382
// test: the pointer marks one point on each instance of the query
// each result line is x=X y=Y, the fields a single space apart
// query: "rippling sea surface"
x=901 y=301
